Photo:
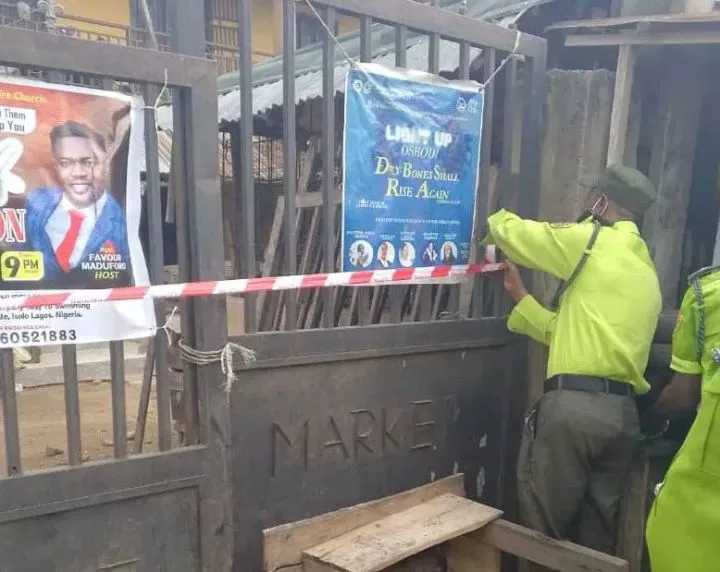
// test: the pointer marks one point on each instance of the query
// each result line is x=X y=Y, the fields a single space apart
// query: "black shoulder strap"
x=581 y=263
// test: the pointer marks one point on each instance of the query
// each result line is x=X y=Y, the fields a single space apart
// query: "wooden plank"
x=633 y=513
x=676 y=128
x=305 y=296
x=272 y=304
x=685 y=38
x=145 y=394
x=540 y=549
x=271 y=262
x=621 y=105
x=620 y=21
x=284 y=545
x=465 y=555
x=380 y=544
x=632 y=140
x=315 y=199
x=614 y=22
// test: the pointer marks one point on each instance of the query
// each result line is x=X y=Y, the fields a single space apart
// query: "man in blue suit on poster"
x=80 y=223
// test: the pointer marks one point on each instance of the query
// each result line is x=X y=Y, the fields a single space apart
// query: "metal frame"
x=364 y=413
x=310 y=391
x=396 y=303
x=190 y=482
x=211 y=498
x=447 y=25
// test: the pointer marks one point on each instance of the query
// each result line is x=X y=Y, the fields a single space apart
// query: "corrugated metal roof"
x=164 y=147
x=165 y=153
x=268 y=76
x=309 y=85
x=267 y=157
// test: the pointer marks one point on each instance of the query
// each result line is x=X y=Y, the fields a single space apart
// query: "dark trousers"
x=575 y=456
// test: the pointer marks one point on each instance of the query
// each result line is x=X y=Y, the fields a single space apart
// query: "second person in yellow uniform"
x=684 y=522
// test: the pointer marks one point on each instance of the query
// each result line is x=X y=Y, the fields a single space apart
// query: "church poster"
x=410 y=169
x=70 y=204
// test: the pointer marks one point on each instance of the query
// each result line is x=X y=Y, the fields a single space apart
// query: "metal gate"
x=386 y=388
x=168 y=510
x=324 y=418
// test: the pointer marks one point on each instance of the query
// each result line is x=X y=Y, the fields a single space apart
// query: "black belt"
x=588 y=383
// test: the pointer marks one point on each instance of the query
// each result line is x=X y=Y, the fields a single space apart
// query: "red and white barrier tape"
x=434 y=274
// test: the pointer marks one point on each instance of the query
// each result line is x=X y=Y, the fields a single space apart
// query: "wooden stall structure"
x=662 y=121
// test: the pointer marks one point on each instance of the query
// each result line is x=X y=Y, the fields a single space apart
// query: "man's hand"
x=513 y=282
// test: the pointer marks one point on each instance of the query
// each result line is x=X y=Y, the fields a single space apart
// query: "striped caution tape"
x=434 y=274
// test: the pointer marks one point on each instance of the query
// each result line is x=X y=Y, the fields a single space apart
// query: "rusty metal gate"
x=160 y=511
x=359 y=393
x=356 y=393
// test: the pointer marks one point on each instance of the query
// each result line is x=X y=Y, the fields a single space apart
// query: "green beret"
x=625 y=186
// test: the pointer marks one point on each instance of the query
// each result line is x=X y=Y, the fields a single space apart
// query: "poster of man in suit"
x=70 y=205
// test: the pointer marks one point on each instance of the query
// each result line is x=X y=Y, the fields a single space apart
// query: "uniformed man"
x=684 y=522
x=580 y=437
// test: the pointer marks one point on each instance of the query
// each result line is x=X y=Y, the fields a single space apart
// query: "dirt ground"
x=43 y=440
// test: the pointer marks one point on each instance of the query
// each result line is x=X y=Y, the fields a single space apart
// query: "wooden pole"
x=624 y=77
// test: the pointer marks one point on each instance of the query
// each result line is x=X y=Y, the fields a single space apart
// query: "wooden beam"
x=390 y=540
x=425 y=18
x=644 y=39
x=284 y=545
x=554 y=554
x=633 y=513
x=315 y=199
x=671 y=165
x=621 y=105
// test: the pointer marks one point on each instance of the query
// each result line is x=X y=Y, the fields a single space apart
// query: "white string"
x=225 y=356
x=158 y=99
x=168 y=325
x=511 y=55
x=331 y=33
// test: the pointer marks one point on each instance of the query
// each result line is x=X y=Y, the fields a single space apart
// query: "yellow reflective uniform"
x=684 y=521
x=608 y=316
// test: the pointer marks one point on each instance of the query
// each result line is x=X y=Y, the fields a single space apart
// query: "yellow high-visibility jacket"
x=683 y=530
x=606 y=322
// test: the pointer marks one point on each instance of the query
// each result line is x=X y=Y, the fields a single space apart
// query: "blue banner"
x=411 y=159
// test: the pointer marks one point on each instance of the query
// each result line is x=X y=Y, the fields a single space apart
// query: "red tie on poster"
x=65 y=250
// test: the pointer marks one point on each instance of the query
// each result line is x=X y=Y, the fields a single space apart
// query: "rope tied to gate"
x=225 y=355
x=158 y=100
